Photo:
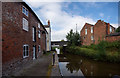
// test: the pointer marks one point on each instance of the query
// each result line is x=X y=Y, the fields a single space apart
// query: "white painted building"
x=48 y=28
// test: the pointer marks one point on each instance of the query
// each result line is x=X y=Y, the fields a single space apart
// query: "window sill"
x=25 y=56
x=25 y=30
x=25 y=14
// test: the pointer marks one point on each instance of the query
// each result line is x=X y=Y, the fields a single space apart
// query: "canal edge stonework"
x=55 y=68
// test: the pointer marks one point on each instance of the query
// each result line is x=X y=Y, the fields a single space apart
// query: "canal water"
x=75 y=65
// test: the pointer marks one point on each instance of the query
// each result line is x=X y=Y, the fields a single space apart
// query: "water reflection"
x=76 y=64
x=73 y=67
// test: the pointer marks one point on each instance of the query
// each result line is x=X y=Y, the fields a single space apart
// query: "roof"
x=85 y=25
x=106 y=23
x=25 y=4
x=114 y=34
x=89 y=24
x=46 y=26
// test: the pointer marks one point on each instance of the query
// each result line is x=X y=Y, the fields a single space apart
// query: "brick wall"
x=14 y=37
x=86 y=39
x=43 y=42
x=112 y=38
x=100 y=30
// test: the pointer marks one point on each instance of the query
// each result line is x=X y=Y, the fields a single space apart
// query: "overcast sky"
x=65 y=15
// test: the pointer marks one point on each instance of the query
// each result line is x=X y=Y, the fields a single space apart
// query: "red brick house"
x=86 y=34
x=92 y=34
x=23 y=35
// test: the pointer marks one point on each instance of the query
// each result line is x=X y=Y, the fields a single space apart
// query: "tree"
x=62 y=40
x=118 y=29
x=73 y=38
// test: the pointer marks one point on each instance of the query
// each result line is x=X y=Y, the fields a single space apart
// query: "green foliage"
x=73 y=38
x=53 y=48
x=62 y=40
x=101 y=50
x=104 y=51
x=118 y=29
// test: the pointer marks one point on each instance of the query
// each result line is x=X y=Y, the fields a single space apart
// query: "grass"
x=47 y=53
x=49 y=71
x=104 y=51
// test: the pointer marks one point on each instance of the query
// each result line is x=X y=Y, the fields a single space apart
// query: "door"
x=34 y=52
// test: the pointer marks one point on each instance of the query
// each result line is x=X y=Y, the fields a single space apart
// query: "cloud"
x=101 y=15
x=61 y=21
x=115 y=25
x=69 y=0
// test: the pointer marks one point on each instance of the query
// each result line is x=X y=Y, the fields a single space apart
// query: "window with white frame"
x=91 y=29
x=25 y=11
x=38 y=33
x=38 y=48
x=25 y=24
x=110 y=29
x=25 y=51
x=92 y=37
x=85 y=31
x=38 y=25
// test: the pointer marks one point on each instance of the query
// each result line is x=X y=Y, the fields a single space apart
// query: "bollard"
x=53 y=58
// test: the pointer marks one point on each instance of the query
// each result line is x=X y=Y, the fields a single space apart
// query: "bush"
x=101 y=47
x=53 y=48
x=113 y=57
x=104 y=51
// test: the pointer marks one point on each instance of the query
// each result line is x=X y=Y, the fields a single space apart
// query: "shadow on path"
x=39 y=67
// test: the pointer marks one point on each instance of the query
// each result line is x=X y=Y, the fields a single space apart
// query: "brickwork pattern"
x=86 y=39
x=14 y=37
x=100 y=30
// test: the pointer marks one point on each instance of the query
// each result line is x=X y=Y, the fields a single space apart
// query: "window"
x=25 y=51
x=38 y=33
x=38 y=48
x=110 y=29
x=25 y=24
x=34 y=51
x=91 y=37
x=91 y=29
x=34 y=34
x=85 y=31
x=25 y=11
x=38 y=25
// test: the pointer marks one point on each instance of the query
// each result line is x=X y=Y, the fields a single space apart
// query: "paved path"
x=40 y=67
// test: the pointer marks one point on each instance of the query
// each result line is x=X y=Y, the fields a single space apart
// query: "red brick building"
x=113 y=37
x=92 y=34
x=86 y=34
x=23 y=35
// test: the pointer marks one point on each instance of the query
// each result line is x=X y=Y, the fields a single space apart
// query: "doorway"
x=34 y=52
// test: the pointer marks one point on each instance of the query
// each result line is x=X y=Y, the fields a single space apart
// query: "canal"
x=75 y=65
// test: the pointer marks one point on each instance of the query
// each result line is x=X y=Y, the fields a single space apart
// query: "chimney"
x=108 y=28
x=99 y=20
x=48 y=22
